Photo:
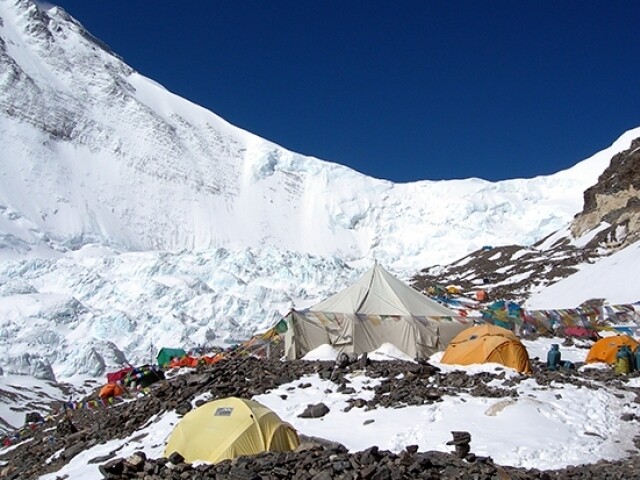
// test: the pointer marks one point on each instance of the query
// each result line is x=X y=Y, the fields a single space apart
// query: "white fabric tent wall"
x=376 y=309
x=378 y=292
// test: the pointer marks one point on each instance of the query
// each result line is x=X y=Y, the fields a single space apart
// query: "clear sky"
x=404 y=91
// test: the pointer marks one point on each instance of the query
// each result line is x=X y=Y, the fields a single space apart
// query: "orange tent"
x=111 y=390
x=212 y=360
x=487 y=344
x=481 y=296
x=184 y=362
x=606 y=349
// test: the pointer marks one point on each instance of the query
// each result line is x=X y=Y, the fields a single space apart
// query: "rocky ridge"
x=507 y=272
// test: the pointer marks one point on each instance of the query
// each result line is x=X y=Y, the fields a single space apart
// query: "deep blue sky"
x=404 y=91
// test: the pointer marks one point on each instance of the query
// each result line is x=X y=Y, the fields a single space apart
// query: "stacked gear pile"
x=606 y=349
x=186 y=361
x=624 y=360
x=142 y=377
x=192 y=362
x=111 y=390
x=130 y=377
x=259 y=346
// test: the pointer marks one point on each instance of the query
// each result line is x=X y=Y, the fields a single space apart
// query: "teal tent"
x=165 y=355
x=281 y=326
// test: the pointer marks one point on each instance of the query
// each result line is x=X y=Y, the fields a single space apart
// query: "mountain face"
x=96 y=153
x=132 y=219
x=608 y=223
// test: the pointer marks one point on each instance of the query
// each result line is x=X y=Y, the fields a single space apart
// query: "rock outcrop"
x=614 y=199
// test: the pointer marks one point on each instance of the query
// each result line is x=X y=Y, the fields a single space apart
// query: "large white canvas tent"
x=376 y=309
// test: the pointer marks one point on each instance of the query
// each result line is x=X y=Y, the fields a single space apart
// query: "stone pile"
x=461 y=441
x=316 y=462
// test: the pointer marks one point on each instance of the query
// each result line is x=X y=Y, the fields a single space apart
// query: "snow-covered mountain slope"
x=132 y=219
x=95 y=152
x=614 y=276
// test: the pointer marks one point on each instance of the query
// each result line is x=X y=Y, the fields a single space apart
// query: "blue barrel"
x=624 y=360
x=636 y=357
x=553 y=357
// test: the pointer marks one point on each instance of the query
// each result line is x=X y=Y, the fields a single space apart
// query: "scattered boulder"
x=136 y=461
x=183 y=408
x=315 y=411
x=176 y=458
x=114 y=467
x=66 y=427
x=73 y=450
x=33 y=417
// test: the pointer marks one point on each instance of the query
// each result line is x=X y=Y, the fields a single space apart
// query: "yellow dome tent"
x=606 y=349
x=485 y=344
x=229 y=428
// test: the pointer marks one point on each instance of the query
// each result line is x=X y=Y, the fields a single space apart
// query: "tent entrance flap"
x=340 y=333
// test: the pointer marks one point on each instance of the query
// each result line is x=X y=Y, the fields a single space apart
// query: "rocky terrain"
x=507 y=272
x=69 y=433
x=609 y=221
x=317 y=462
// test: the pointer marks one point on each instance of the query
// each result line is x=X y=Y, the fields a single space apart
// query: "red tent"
x=115 y=377
x=581 y=332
